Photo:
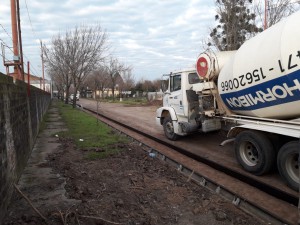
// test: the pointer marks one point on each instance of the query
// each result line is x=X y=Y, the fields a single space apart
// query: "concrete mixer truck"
x=256 y=89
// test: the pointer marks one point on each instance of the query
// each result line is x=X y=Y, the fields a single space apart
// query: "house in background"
x=105 y=93
x=37 y=82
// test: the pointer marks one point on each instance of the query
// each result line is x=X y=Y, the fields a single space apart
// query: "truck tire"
x=255 y=152
x=288 y=164
x=169 y=129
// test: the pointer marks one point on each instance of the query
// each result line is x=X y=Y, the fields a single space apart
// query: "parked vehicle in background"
x=72 y=96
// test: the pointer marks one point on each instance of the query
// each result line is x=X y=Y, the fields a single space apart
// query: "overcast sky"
x=153 y=36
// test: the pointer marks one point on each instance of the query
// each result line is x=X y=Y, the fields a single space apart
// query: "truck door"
x=175 y=97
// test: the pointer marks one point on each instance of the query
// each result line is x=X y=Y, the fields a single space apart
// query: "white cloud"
x=154 y=36
x=131 y=44
x=155 y=53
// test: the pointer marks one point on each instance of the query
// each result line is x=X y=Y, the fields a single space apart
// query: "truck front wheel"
x=169 y=129
x=288 y=164
x=255 y=152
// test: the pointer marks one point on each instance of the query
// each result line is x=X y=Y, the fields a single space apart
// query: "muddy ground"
x=126 y=188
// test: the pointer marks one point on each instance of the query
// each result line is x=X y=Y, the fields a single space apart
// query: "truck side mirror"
x=165 y=83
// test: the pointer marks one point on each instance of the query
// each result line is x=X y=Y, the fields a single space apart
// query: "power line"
x=34 y=69
x=31 y=66
x=4 y=57
x=34 y=34
x=7 y=45
x=5 y=31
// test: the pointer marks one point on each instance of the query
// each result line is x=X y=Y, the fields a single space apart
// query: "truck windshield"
x=194 y=78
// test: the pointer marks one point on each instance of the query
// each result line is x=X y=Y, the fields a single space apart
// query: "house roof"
x=32 y=77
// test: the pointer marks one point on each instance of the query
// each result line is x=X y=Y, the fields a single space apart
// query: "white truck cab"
x=188 y=105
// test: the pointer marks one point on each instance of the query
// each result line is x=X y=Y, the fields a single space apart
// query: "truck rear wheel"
x=288 y=164
x=169 y=129
x=255 y=152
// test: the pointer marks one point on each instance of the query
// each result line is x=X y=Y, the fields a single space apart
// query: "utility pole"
x=28 y=79
x=14 y=29
x=43 y=67
x=17 y=61
x=266 y=14
x=20 y=43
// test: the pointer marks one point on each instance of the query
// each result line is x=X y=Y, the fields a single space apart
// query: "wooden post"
x=266 y=14
x=43 y=67
x=28 y=79
x=14 y=30
x=21 y=62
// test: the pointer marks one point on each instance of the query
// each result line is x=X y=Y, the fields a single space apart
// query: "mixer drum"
x=263 y=77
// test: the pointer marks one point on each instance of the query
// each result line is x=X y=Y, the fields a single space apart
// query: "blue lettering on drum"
x=278 y=91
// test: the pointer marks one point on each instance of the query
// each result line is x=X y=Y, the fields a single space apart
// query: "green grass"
x=93 y=133
x=127 y=101
x=134 y=101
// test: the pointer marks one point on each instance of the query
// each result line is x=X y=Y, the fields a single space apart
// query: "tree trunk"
x=74 y=98
x=113 y=93
x=67 y=96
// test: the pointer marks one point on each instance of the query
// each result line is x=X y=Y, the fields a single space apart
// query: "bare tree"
x=58 y=81
x=128 y=80
x=78 y=52
x=157 y=84
x=147 y=85
x=115 y=69
x=57 y=69
x=276 y=10
x=99 y=80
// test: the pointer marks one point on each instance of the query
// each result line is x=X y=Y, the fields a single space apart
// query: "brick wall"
x=20 y=116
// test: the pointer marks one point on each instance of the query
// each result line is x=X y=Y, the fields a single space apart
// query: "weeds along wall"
x=20 y=117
